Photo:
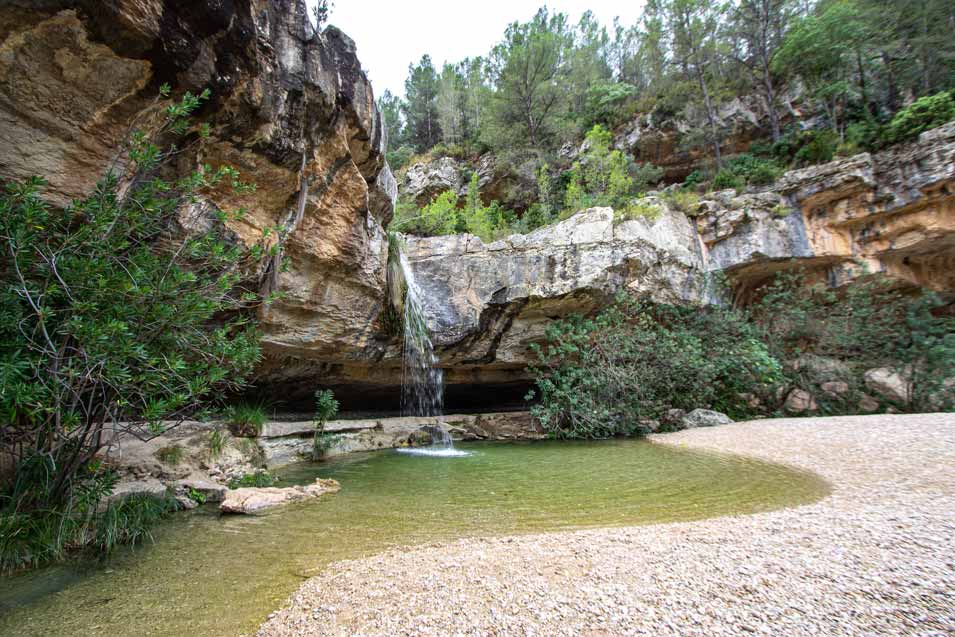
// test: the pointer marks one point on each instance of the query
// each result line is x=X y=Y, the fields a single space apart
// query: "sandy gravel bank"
x=877 y=557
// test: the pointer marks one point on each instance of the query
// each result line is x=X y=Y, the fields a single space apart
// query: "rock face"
x=285 y=442
x=486 y=303
x=657 y=140
x=291 y=109
x=257 y=500
x=891 y=212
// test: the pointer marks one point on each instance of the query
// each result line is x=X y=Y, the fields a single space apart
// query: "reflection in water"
x=221 y=575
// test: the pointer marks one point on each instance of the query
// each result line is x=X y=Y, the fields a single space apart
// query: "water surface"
x=221 y=575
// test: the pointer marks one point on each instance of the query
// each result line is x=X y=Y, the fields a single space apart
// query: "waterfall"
x=422 y=381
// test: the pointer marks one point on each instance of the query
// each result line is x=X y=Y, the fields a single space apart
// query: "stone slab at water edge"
x=873 y=558
x=258 y=499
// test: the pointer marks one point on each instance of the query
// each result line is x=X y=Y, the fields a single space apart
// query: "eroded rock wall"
x=290 y=108
x=891 y=212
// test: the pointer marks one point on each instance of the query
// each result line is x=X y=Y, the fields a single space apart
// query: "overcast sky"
x=391 y=34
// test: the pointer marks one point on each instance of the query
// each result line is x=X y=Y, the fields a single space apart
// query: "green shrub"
x=686 y=201
x=819 y=147
x=638 y=209
x=754 y=170
x=216 y=442
x=258 y=479
x=923 y=114
x=694 y=180
x=634 y=361
x=171 y=455
x=865 y=325
x=326 y=408
x=245 y=420
x=726 y=179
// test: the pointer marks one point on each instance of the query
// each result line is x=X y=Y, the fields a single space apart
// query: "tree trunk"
x=711 y=117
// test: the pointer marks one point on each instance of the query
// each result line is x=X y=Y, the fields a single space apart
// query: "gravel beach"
x=876 y=557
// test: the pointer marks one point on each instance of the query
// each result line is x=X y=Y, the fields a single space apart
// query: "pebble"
x=872 y=558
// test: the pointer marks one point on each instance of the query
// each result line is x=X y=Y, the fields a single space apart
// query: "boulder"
x=705 y=418
x=426 y=180
x=799 y=401
x=821 y=368
x=889 y=383
x=868 y=404
x=213 y=491
x=834 y=388
x=256 y=500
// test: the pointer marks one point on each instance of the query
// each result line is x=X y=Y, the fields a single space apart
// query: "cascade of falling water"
x=422 y=382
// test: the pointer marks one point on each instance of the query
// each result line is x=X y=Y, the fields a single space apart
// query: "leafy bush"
x=923 y=114
x=257 y=479
x=607 y=103
x=726 y=179
x=245 y=420
x=326 y=407
x=110 y=322
x=868 y=324
x=818 y=147
x=754 y=170
x=631 y=363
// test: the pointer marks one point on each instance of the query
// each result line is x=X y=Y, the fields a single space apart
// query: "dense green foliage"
x=548 y=80
x=633 y=362
x=618 y=371
x=867 y=325
x=112 y=323
x=245 y=420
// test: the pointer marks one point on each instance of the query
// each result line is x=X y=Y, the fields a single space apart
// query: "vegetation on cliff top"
x=832 y=76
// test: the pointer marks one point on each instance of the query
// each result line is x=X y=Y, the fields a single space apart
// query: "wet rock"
x=255 y=500
x=705 y=418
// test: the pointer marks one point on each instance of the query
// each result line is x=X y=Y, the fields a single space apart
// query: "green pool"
x=212 y=575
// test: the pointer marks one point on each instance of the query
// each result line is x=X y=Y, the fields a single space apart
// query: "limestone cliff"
x=891 y=212
x=291 y=109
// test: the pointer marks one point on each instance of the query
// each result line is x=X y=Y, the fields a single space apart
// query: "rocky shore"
x=873 y=558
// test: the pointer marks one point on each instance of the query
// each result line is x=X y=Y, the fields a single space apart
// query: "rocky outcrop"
x=660 y=140
x=285 y=442
x=891 y=212
x=290 y=108
x=424 y=181
x=512 y=183
x=486 y=303
x=251 y=500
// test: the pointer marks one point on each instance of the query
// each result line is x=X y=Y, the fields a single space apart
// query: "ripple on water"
x=213 y=575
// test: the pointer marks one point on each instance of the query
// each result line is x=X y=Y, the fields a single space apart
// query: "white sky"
x=391 y=34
